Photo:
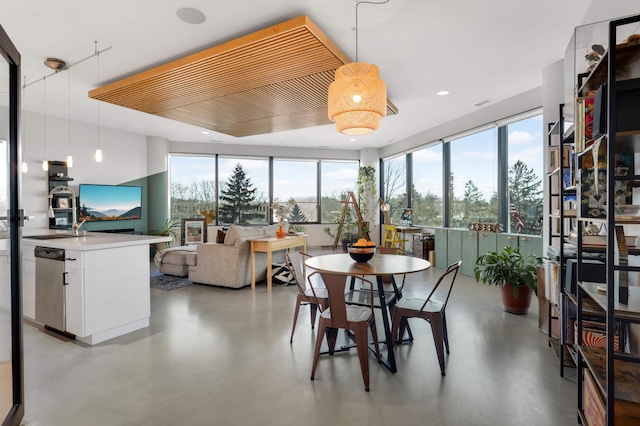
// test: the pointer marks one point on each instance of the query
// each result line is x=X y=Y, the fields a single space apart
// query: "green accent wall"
x=155 y=207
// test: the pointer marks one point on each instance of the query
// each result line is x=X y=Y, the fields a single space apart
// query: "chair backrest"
x=449 y=276
x=295 y=263
x=335 y=284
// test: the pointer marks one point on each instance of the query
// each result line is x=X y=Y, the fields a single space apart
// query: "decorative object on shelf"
x=194 y=231
x=209 y=215
x=282 y=211
x=592 y=57
x=515 y=273
x=357 y=97
x=485 y=227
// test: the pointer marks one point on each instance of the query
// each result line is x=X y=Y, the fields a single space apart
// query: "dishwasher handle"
x=49 y=253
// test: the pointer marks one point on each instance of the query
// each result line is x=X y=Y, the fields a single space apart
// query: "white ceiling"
x=489 y=50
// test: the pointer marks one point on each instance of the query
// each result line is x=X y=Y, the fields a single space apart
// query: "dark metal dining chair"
x=338 y=315
x=429 y=309
x=295 y=263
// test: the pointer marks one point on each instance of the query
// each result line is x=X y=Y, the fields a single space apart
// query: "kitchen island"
x=106 y=292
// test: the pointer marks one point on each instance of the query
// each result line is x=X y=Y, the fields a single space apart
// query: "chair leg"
x=314 y=311
x=376 y=343
x=363 y=354
x=436 y=330
x=295 y=319
x=316 y=354
x=396 y=319
x=445 y=332
x=332 y=336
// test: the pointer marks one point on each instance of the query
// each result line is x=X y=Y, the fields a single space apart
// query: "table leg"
x=390 y=361
x=269 y=256
x=253 y=268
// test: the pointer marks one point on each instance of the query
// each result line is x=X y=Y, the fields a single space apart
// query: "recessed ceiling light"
x=352 y=140
x=191 y=15
x=204 y=132
x=443 y=93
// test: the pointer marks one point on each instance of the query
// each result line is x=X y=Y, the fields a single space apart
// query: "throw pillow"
x=220 y=237
x=280 y=274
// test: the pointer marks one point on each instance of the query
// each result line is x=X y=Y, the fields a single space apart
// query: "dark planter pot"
x=511 y=304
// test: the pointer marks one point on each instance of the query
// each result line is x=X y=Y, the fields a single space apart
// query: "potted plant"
x=515 y=273
x=167 y=229
x=367 y=193
x=348 y=229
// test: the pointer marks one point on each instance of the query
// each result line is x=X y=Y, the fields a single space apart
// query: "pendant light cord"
x=358 y=4
x=97 y=85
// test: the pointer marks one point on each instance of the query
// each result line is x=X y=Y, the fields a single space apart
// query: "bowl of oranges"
x=362 y=250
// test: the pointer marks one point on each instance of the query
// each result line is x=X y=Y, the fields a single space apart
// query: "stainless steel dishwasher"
x=50 y=282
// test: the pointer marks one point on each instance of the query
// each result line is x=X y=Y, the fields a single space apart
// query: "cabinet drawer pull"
x=484 y=235
x=526 y=239
x=511 y=238
x=451 y=232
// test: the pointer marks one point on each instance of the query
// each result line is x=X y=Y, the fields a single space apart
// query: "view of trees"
x=238 y=199
x=318 y=185
x=525 y=195
x=186 y=201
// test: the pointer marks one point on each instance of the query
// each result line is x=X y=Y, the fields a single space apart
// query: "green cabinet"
x=469 y=252
x=454 y=246
x=506 y=240
x=487 y=241
x=441 y=248
x=530 y=245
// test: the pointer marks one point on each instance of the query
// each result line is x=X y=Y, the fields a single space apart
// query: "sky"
x=473 y=158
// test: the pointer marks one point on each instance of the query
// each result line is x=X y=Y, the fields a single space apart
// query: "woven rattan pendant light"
x=357 y=97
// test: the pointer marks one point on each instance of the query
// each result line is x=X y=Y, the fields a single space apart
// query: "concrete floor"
x=215 y=356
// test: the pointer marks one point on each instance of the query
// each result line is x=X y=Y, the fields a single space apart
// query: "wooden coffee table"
x=269 y=245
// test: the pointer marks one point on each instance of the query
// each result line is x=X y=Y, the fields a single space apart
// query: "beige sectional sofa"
x=229 y=264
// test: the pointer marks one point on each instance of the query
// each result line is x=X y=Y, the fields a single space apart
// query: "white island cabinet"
x=107 y=275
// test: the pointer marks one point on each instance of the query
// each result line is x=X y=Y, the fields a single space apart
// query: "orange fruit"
x=370 y=243
x=361 y=242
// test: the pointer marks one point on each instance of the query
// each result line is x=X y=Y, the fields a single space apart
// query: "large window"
x=243 y=187
x=297 y=179
x=337 y=178
x=474 y=178
x=395 y=186
x=426 y=190
x=244 y=190
x=525 y=141
x=479 y=187
x=193 y=185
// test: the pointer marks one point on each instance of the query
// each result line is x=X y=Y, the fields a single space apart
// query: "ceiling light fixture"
x=357 y=97
x=56 y=64
x=443 y=93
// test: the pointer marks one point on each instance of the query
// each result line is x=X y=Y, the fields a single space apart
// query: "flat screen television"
x=101 y=203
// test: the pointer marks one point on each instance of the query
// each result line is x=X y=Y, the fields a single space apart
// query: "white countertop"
x=91 y=241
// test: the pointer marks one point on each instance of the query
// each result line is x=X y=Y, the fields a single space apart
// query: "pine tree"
x=296 y=215
x=237 y=198
x=525 y=190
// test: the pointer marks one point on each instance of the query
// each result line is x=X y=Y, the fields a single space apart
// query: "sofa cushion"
x=242 y=233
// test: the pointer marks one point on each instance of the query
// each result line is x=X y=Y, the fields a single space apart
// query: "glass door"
x=11 y=220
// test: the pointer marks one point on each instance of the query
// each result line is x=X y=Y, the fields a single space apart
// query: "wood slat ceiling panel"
x=259 y=82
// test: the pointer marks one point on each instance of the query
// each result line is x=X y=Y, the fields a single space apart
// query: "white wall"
x=124 y=159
